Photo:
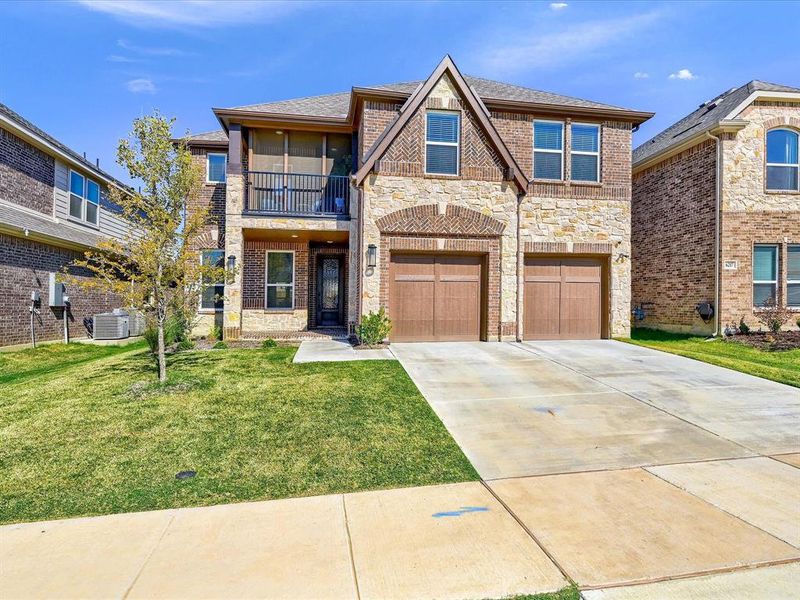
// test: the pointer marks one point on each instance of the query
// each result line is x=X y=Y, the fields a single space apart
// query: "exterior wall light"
x=372 y=256
x=231 y=262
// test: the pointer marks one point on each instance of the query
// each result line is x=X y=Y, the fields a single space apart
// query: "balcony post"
x=235 y=149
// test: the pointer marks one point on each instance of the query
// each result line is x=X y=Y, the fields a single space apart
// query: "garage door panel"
x=580 y=311
x=542 y=308
x=435 y=297
x=563 y=298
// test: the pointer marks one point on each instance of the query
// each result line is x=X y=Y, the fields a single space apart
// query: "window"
x=212 y=291
x=280 y=280
x=84 y=198
x=793 y=277
x=765 y=274
x=548 y=150
x=215 y=167
x=783 y=164
x=585 y=152
x=441 y=143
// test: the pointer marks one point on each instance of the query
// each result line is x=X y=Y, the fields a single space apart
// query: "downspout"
x=520 y=255
x=717 y=232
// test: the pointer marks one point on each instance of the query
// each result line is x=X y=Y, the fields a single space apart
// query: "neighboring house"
x=716 y=212
x=470 y=209
x=53 y=207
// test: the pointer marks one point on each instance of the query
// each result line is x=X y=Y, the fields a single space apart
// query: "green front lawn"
x=783 y=366
x=85 y=430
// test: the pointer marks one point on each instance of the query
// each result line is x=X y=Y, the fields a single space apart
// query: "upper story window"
x=84 y=198
x=783 y=165
x=548 y=150
x=765 y=274
x=215 y=167
x=584 y=152
x=441 y=143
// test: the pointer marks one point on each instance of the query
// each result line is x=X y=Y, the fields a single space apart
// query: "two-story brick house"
x=716 y=212
x=470 y=209
x=54 y=206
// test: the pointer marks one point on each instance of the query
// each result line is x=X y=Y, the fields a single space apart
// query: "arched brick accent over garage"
x=426 y=219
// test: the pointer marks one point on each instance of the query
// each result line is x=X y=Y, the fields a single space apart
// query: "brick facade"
x=212 y=199
x=674 y=223
x=25 y=266
x=673 y=215
x=26 y=174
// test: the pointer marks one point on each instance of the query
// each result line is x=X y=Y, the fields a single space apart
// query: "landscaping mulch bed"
x=783 y=340
x=202 y=344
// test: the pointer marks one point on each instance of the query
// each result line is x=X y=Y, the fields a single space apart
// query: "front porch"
x=295 y=285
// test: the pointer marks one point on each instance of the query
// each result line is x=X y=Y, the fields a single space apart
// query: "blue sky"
x=83 y=70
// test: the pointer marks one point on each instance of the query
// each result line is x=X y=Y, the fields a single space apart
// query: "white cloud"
x=558 y=5
x=151 y=51
x=116 y=58
x=141 y=86
x=195 y=13
x=683 y=74
x=641 y=75
x=551 y=49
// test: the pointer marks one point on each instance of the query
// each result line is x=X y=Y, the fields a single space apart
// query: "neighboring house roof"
x=708 y=115
x=446 y=66
x=211 y=138
x=18 y=122
x=18 y=220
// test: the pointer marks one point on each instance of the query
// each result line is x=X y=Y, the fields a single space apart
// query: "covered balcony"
x=297 y=194
x=298 y=173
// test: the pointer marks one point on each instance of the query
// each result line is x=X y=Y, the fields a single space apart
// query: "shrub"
x=798 y=322
x=374 y=328
x=772 y=315
x=215 y=333
x=185 y=344
x=269 y=343
x=220 y=346
x=744 y=328
x=175 y=330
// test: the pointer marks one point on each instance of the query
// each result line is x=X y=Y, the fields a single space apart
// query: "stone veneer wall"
x=673 y=223
x=384 y=195
x=750 y=214
x=583 y=226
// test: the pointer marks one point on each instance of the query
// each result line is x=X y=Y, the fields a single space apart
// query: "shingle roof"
x=20 y=220
x=706 y=116
x=209 y=136
x=337 y=105
x=88 y=165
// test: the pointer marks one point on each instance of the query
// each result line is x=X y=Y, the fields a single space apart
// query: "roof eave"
x=618 y=114
x=724 y=126
x=225 y=115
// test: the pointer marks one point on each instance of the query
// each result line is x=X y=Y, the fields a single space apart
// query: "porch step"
x=322 y=333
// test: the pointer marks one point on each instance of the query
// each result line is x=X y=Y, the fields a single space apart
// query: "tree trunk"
x=162 y=359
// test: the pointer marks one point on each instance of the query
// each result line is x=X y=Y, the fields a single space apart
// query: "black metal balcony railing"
x=297 y=194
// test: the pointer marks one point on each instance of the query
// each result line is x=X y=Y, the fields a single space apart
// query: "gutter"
x=717 y=228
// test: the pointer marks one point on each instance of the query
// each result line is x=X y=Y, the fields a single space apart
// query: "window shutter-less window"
x=765 y=274
x=441 y=147
x=76 y=185
x=585 y=151
x=216 y=167
x=548 y=146
x=783 y=164
x=793 y=277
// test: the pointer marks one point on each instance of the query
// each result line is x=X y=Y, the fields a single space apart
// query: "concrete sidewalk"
x=456 y=541
x=336 y=351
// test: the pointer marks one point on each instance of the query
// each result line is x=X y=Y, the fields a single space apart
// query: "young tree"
x=156 y=268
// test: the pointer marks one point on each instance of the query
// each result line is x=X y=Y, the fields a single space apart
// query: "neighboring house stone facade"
x=422 y=198
x=39 y=235
x=719 y=151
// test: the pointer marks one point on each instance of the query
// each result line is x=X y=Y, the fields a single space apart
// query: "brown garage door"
x=435 y=297
x=563 y=298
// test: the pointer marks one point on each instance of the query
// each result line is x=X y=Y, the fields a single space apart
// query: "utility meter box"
x=56 y=297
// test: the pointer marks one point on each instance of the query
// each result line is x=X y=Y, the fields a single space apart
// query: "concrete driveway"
x=563 y=407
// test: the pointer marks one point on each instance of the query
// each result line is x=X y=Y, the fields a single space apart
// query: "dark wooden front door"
x=435 y=297
x=330 y=291
x=563 y=298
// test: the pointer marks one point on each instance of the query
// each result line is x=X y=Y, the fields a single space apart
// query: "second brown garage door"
x=435 y=297
x=563 y=298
